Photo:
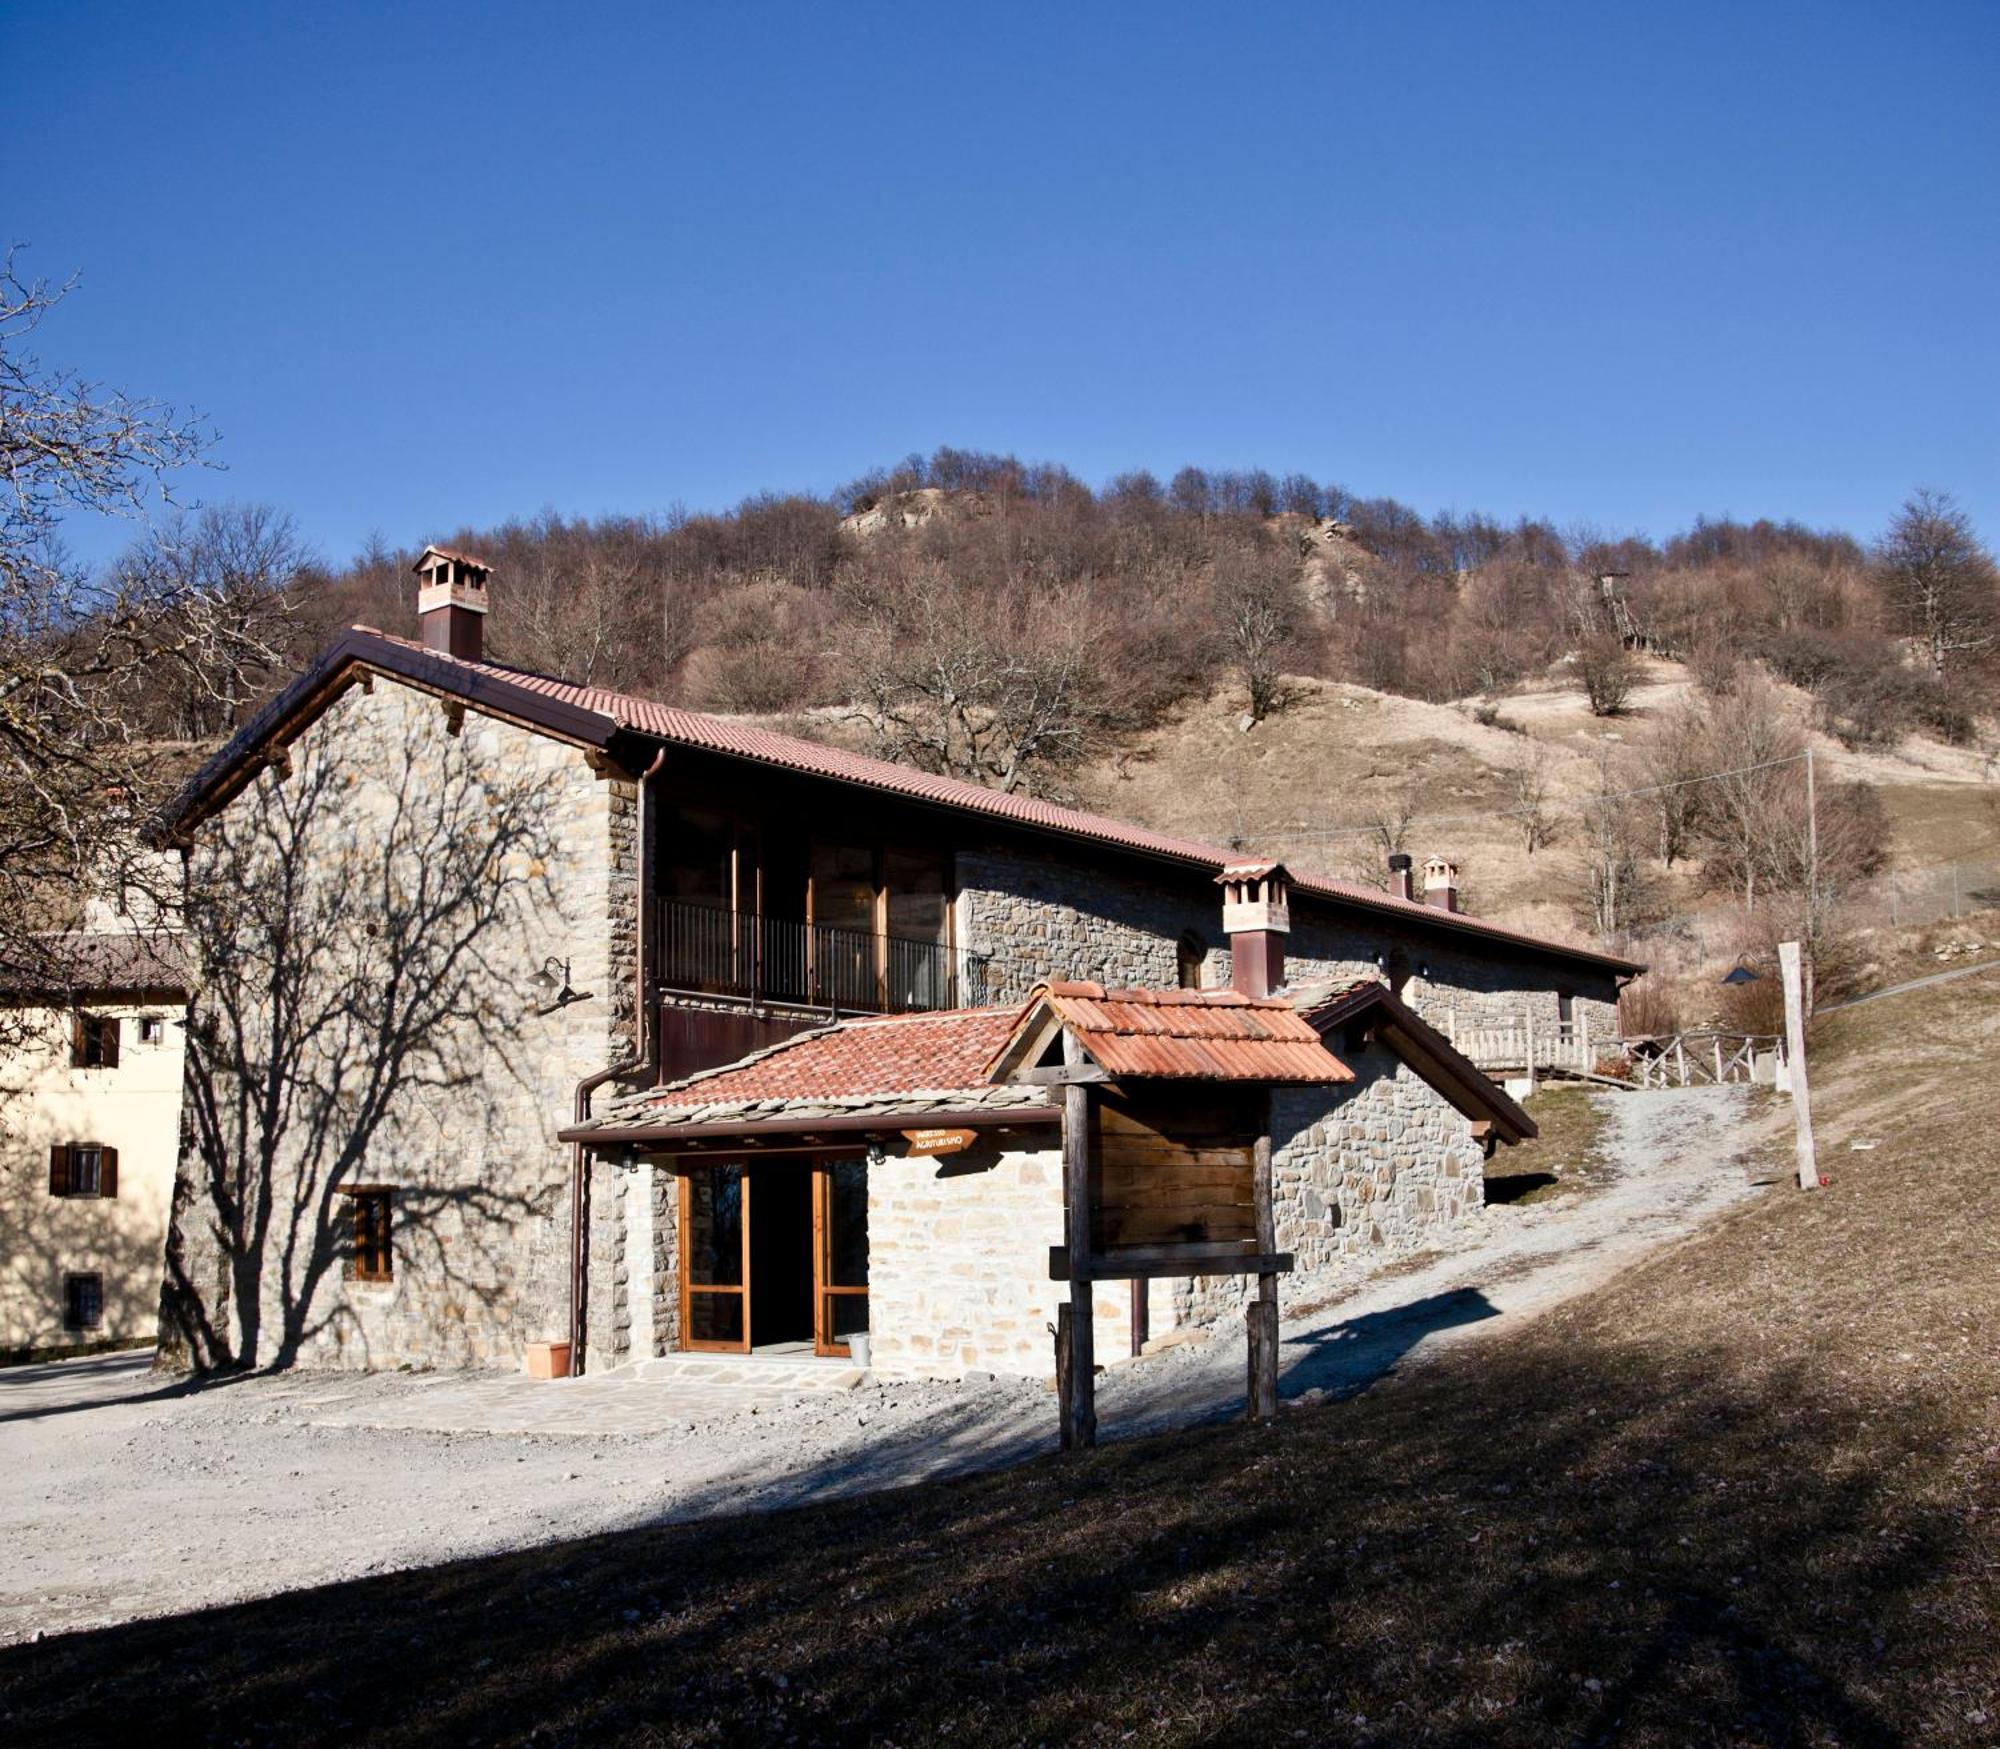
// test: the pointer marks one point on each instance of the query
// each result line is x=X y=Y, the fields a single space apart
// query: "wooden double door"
x=774 y=1254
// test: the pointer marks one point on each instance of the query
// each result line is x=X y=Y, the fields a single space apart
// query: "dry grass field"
x=1747 y=1494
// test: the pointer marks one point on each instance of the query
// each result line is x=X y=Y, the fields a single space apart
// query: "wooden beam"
x=1160 y=1262
x=1079 y=1100
x=1063 y=1075
x=1262 y=1317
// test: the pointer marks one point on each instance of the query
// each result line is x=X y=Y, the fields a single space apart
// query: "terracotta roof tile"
x=788 y=752
x=1217 y=1035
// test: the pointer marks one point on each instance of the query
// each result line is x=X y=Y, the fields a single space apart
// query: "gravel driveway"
x=127 y=1496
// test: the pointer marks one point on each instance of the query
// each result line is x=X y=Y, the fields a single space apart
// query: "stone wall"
x=958 y=1265
x=354 y=836
x=1033 y=918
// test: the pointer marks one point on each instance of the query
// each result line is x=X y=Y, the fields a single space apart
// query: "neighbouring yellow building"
x=90 y=1103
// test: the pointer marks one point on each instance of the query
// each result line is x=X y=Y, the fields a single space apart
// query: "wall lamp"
x=553 y=982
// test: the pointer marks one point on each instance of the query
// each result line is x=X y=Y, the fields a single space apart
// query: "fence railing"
x=712 y=951
x=1527 y=1045
x=1698 y=1059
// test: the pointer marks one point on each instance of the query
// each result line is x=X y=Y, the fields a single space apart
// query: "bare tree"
x=1938 y=580
x=358 y=947
x=1615 y=889
x=1530 y=796
x=997 y=688
x=74 y=648
x=1259 y=609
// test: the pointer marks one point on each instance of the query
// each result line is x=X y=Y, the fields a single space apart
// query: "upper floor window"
x=83 y=1169
x=152 y=1030
x=1190 y=957
x=94 y=1041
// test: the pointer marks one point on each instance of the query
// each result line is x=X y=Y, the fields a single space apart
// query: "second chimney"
x=1256 y=916
x=1399 y=874
x=1441 y=884
x=451 y=602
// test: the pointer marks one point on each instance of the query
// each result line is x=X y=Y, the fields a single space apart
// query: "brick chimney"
x=1441 y=884
x=451 y=602
x=1399 y=874
x=1256 y=916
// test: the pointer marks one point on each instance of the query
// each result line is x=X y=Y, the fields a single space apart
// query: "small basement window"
x=83 y=1169
x=83 y=1302
x=369 y=1255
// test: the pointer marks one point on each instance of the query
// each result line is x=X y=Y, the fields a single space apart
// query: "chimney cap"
x=1251 y=871
x=434 y=556
x=1399 y=859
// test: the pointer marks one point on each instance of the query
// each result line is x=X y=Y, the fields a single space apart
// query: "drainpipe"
x=645 y=1061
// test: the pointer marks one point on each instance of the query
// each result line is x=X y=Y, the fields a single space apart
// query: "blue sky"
x=424 y=265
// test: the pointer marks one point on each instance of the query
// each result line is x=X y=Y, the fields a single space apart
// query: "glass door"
x=840 y=1254
x=715 y=1258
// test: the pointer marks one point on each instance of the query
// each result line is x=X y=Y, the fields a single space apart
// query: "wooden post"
x=1080 y=1420
x=1065 y=1381
x=1718 y=1061
x=1262 y=1314
x=1795 y=1050
x=1142 y=1315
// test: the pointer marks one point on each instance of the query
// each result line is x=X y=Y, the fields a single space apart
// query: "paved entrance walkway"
x=653 y=1396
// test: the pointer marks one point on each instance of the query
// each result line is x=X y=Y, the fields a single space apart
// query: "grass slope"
x=1748 y=1494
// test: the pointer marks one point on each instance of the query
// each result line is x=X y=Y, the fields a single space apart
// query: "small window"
x=152 y=1030
x=83 y=1169
x=369 y=1256
x=94 y=1042
x=1190 y=956
x=83 y=1302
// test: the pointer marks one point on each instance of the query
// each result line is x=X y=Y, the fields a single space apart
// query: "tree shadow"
x=1571 y=1543
x=361 y=916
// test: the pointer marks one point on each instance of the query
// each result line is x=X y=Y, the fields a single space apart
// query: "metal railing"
x=712 y=951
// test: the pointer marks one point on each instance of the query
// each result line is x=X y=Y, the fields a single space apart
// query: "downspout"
x=644 y=1061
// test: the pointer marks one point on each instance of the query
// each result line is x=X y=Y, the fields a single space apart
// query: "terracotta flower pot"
x=548 y=1360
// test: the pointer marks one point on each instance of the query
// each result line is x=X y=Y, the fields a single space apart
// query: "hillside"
x=1748 y=1492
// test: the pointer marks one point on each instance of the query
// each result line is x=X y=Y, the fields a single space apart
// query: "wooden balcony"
x=710 y=951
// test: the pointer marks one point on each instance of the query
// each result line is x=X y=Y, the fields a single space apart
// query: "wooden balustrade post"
x=1261 y=1317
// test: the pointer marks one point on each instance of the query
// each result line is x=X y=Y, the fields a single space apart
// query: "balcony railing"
x=706 y=949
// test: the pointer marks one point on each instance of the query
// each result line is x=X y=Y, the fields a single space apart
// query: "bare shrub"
x=1607 y=672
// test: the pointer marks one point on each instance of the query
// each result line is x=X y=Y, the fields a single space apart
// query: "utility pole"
x=1812 y=875
x=1795 y=1053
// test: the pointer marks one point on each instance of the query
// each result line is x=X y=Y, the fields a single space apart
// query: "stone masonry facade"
x=467 y=1149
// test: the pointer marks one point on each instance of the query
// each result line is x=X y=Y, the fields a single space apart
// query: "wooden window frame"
x=370 y=1256
x=688 y=1286
x=94 y=1041
x=63 y=1174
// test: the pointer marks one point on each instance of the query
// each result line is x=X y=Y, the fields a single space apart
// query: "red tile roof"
x=643 y=716
x=858 y=1059
x=1210 y=1035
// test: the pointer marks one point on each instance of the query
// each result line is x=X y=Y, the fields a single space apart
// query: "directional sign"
x=924 y=1143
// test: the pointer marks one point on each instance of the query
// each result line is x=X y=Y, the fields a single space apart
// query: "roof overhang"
x=1429 y=1054
x=798 y=1131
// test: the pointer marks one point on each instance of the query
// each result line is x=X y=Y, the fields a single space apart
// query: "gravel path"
x=124 y=1496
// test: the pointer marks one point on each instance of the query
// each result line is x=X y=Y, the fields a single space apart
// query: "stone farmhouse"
x=91 y=1049
x=603 y=1023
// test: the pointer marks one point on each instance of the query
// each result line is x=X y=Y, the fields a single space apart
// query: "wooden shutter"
x=107 y=1171
x=109 y=1035
x=58 y=1169
x=79 y=1040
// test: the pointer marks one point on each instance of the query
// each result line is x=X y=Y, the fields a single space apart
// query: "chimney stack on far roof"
x=1441 y=884
x=451 y=602
x=1256 y=916
x=1399 y=874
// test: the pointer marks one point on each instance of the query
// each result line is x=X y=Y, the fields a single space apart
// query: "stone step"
x=746 y=1373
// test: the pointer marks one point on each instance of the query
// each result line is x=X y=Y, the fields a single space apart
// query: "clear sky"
x=432 y=264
